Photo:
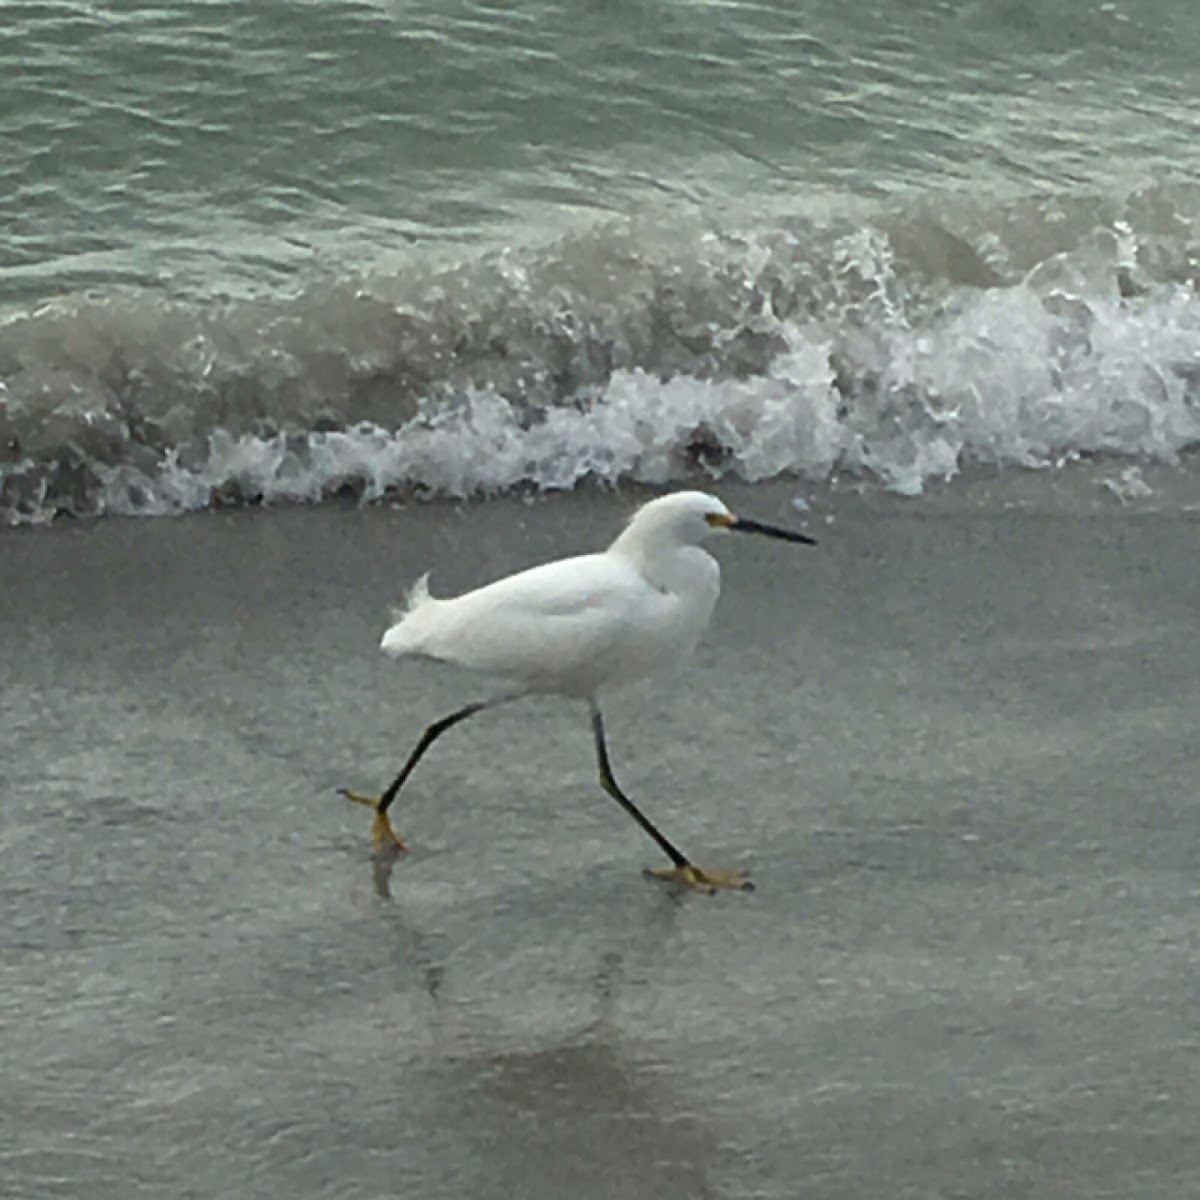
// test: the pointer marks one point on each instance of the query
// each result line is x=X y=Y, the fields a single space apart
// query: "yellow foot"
x=383 y=836
x=702 y=881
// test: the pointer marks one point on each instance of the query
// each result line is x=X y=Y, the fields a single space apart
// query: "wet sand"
x=955 y=745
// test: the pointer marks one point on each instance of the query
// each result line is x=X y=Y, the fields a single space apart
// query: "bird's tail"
x=418 y=595
x=406 y=634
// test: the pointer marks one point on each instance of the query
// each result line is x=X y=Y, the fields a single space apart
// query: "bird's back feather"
x=563 y=627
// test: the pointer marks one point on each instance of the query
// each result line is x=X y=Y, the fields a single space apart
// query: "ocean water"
x=284 y=251
x=919 y=277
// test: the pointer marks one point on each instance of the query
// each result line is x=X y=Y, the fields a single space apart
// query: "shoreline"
x=954 y=749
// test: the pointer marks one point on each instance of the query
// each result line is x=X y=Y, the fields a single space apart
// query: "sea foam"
x=887 y=353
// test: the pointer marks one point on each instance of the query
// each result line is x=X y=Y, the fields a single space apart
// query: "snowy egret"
x=576 y=628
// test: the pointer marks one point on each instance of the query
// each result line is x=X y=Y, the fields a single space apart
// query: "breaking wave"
x=895 y=347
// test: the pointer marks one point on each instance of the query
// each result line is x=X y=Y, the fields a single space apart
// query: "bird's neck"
x=684 y=571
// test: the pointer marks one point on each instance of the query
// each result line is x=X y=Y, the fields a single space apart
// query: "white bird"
x=576 y=628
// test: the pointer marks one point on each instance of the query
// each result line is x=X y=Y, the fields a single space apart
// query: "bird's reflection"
x=575 y=1112
x=383 y=863
x=581 y=1116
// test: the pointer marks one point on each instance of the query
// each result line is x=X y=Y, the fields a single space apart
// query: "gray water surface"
x=217 y=148
x=955 y=750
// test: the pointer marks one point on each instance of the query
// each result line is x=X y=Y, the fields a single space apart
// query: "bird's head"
x=687 y=518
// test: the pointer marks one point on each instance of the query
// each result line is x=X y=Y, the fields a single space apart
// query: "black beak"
x=743 y=525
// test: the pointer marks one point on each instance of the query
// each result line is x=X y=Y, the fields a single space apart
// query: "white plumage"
x=578 y=627
x=581 y=624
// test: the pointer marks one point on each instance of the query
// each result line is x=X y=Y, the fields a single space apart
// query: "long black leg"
x=430 y=736
x=609 y=783
x=382 y=833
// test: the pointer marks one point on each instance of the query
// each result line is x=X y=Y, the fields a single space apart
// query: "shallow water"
x=955 y=748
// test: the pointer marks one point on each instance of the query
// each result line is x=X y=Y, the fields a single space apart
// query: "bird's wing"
x=551 y=623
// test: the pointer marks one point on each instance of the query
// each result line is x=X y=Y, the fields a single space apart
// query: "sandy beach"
x=955 y=746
